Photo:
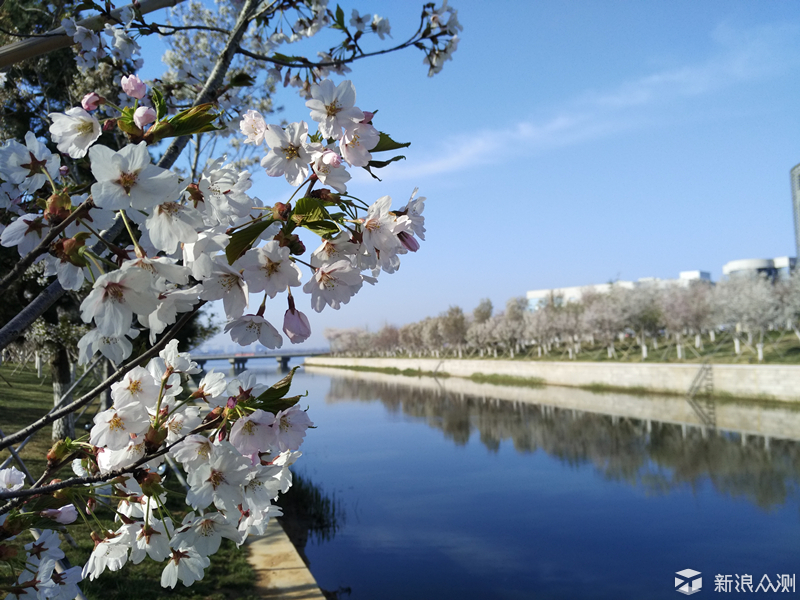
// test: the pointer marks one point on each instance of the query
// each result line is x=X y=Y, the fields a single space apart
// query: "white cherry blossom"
x=74 y=131
x=334 y=107
x=333 y=285
x=25 y=166
x=253 y=126
x=114 y=299
x=269 y=269
x=186 y=565
x=114 y=427
x=26 y=232
x=357 y=141
x=289 y=153
x=248 y=329
x=127 y=179
x=11 y=479
x=227 y=284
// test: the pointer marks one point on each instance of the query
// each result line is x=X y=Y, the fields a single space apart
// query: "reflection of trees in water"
x=657 y=456
x=309 y=513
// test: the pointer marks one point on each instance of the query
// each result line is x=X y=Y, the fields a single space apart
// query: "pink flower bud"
x=92 y=100
x=63 y=170
x=143 y=116
x=295 y=324
x=329 y=157
x=367 y=116
x=134 y=87
x=64 y=515
x=409 y=241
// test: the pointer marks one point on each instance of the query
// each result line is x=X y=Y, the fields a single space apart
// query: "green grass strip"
x=532 y=382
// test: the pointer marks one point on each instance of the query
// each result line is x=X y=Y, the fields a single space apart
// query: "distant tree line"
x=648 y=317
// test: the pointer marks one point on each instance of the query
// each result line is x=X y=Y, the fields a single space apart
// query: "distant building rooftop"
x=780 y=267
x=574 y=294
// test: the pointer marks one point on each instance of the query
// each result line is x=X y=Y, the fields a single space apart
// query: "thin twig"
x=86 y=398
x=44 y=246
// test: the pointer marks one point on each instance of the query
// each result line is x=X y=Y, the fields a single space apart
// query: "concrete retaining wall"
x=778 y=382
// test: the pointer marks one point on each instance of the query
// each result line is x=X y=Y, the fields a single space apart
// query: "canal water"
x=452 y=489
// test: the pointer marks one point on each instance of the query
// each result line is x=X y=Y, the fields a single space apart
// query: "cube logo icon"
x=688 y=582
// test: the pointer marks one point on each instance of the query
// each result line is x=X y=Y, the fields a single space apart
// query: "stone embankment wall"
x=777 y=382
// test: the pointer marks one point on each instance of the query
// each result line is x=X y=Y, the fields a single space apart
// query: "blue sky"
x=571 y=143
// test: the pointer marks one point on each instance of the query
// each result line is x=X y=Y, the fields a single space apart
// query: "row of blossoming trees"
x=649 y=317
x=137 y=246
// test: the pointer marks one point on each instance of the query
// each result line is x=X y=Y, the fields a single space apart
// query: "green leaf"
x=340 y=16
x=311 y=209
x=242 y=240
x=278 y=389
x=275 y=406
x=160 y=104
x=387 y=143
x=242 y=80
x=321 y=228
x=289 y=59
x=310 y=213
x=379 y=164
x=197 y=119
x=126 y=124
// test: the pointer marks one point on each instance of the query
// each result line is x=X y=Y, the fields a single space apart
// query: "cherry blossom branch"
x=154 y=27
x=89 y=396
x=58 y=38
x=18 y=496
x=43 y=247
x=307 y=64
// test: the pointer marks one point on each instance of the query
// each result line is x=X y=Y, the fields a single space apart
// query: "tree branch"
x=307 y=64
x=43 y=246
x=88 y=397
x=155 y=26
x=18 y=496
x=215 y=79
x=57 y=39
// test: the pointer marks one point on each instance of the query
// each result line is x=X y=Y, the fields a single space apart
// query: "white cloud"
x=738 y=57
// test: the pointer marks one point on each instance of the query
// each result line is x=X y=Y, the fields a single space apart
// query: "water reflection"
x=656 y=443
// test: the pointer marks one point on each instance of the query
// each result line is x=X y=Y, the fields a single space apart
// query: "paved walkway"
x=281 y=572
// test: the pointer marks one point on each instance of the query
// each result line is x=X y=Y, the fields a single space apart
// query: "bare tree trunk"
x=60 y=371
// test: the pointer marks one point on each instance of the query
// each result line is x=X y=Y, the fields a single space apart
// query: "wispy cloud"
x=738 y=57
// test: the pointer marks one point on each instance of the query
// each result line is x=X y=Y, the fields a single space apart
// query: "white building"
x=573 y=294
x=774 y=268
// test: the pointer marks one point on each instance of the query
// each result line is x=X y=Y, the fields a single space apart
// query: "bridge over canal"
x=239 y=360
